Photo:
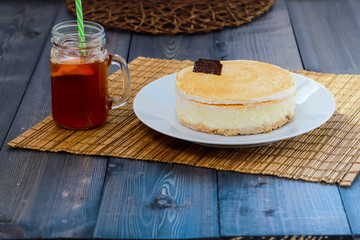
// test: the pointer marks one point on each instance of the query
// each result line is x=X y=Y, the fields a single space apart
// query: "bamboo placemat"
x=327 y=154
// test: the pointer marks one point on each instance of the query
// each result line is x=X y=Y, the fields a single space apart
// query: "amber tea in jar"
x=79 y=76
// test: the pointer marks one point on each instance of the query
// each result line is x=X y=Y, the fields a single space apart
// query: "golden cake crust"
x=240 y=81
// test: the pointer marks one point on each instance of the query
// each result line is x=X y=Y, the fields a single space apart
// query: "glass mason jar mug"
x=79 y=76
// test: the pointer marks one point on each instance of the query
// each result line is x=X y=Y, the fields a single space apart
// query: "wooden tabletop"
x=60 y=195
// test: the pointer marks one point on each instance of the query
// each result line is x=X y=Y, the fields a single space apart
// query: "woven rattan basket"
x=171 y=16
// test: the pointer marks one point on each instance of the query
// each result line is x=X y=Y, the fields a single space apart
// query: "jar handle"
x=121 y=63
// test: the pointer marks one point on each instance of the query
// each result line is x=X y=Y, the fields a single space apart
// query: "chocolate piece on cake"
x=208 y=66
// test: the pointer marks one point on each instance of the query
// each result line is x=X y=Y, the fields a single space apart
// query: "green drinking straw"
x=80 y=22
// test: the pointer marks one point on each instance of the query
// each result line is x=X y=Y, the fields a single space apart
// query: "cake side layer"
x=238 y=119
x=275 y=97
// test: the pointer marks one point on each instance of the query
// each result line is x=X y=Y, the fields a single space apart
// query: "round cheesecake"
x=248 y=97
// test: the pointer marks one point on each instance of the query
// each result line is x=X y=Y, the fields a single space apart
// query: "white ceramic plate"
x=154 y=105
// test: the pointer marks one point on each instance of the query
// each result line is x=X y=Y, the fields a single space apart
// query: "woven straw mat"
x=171 y=16
x=328 y=154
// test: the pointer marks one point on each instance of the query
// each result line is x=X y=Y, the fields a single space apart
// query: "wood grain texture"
x=144 y=200
x=118 y=43
x=180 y=47
x=176 y=201
x=296 y=237
x=350 y=197
x=262 y=205
x=328 y=33
x=47 y=195
x=155 y=215
x=255 y=205
x=268 y=39
x=24 y=28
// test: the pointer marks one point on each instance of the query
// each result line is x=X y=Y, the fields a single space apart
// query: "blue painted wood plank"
x=263 y=205
x=350 y=197
x=24 y=28
x=145 y=200
x=181 y=47
x=268 y=39
x=192 y=212
x=259 y=205
x=328 y=34
x=47 y=195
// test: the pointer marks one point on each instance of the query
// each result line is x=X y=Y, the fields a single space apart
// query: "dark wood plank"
x=181 y=47
x=47 y=195
x=350 y=197
x=118 y=43
x=268 y=39
x=263 y=205
x=159 y=214
x=164 y=201
x=41 y=199
x=328 y=34
x=24 y=28
x=144 y=200
x=259 y=205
